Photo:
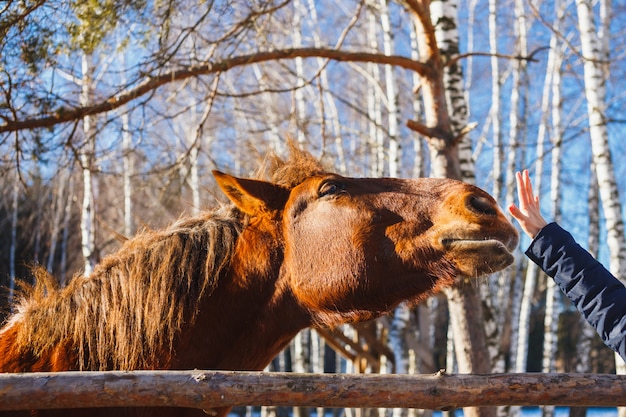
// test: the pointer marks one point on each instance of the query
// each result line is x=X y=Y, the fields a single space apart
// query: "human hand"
x=528 y=214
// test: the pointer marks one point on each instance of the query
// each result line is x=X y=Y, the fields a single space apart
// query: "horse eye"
x=329 y=188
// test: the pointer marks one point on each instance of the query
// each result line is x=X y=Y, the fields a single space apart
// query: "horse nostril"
x=481 y=205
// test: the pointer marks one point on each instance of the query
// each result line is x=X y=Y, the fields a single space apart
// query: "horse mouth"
x=480 y=244
x=476 y=257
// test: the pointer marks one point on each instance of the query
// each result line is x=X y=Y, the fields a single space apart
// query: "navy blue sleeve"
x=596 y=293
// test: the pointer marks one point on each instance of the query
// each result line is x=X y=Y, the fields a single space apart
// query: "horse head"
x=356 y=247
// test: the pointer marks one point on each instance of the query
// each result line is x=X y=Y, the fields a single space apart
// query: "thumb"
x=515 y=212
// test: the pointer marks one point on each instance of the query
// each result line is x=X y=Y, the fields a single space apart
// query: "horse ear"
x=252 y=197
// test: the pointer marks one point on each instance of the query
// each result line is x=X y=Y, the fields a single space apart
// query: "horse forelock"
x=291 y=172
x=129 y=311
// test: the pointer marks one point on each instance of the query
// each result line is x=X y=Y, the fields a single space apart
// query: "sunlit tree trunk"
x=513 y=280
x=273 y=131
x=87 y=160
x=329 y=110
x=39 y=199
x=127 y=160
x=57 y=217
x=317 y=359
x=300 y=105
x=419 y=144
x=471 y=345
x=595 y=93
x=551 y=320
x=394 y=154
x=14 y=216
x=374 y=98
x=398 y=335
x=127 y=141
x=532 y=271
x=300 y=362
x=495 y=100
x=464 y=302
x=587 y=333
x=67 y=215
x=401 y=324
x=444 y=16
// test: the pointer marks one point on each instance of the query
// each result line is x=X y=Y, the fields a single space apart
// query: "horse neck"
x=252 y=315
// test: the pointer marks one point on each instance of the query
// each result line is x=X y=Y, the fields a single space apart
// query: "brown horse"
x=229 y=289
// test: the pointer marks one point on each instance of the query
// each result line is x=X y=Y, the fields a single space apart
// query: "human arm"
x=596 y=293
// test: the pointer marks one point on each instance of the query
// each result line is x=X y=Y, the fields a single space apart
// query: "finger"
x=529 y=185
x=522 y=190
x=514 y=211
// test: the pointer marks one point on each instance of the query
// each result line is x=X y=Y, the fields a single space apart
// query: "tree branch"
x=151 y=83
x=529 y=58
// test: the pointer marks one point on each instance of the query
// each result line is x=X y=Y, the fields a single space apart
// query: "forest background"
x=114 y=112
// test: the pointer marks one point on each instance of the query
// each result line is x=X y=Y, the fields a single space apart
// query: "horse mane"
x=129 y=311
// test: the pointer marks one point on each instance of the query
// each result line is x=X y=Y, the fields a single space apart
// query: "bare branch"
x=151 y=83
x=529 y=58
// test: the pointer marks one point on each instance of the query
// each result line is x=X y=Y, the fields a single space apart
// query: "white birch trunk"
x=448 y=40
x=393 y=110
x=447 y=34
x=127 y=140
x=317 y=359
x=551 y=321
x=532 y=272
x=419 y=144
x=300 y=110
x=300 y=354
x=330 y=110
x=374 y=100
x=59 y=209
x=273 y=133
x=87 y=159
x=127 y=162
x=465 y=305
x=67 y=215
x=511 y=279
x=194 y=177
x=495 y=100
x=595 y=93
x=587 y=333
x=13 y=249
x=37 y=227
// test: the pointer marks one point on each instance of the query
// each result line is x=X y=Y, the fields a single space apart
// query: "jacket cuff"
x=550 y=237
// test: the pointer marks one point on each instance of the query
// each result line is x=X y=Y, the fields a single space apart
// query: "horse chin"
x=479 y=257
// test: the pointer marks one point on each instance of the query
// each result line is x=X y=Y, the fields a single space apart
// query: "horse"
x=295 y=247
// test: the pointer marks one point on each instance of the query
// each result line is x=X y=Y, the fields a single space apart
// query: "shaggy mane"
x=129 y=311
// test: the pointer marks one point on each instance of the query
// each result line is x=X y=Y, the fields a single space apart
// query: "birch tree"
x=374 y=97
x=513 y=282
x=300 y=107
x=552 y=313
x=464 y=304
x=495 y=100
x=394 y=148
x=15 y=194
x=595 y=57
x=328 y=108
x=58 y=209
x=87 y=157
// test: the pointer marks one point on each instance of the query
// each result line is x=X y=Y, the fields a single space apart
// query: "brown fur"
x=230 y=288
x=135 y=302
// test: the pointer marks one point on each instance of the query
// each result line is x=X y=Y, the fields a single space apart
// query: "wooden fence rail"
x=208 y=389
